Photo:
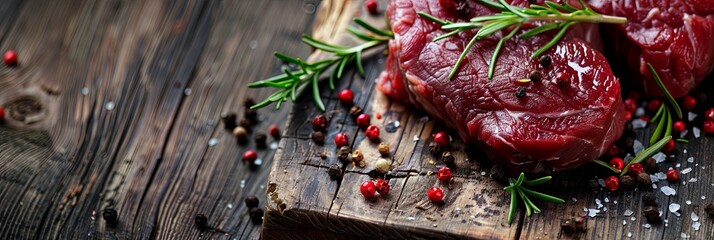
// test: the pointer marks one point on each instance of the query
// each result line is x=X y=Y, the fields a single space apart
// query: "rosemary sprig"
x=559 y=17
x=606 y=165
x=670 y=99
x=648 y=152
x=516 y=186
x=293 y=82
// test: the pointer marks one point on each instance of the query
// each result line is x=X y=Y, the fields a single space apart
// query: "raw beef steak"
x=566 y=119
x=676 y=37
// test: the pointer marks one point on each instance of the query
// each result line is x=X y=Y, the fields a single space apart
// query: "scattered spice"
x=229 y=121
x=709 y=209
x=612 y=183
x=346 y=97
x=248 y=102
x=323 y=155
x=669 y=147
x=708 y=127
x=567 y=225
x=111 y=217
x=371 y=6
x=251 y=201
x=709 y=114
x=678 y=126
x=630 y=105
x=651 y=214
x=355 y=111
x=651 y=165
x=536 y=76
x=240 y=134
x=627 y=182
x=447 y=158
x=10 y=58
x=545 y=61
x=319 y=123
x=635 y=169
x=341 y=140
x=672 y=175
x=245 y=123
x=383 y=149
x=617 y=163
x=649 y=199
x=251 y=114
x=335 y=172
x=250 y=156
x=444 y=174
x=382 y=187
x=261 y=140
x=654 y=104
x=580 y=223
x=363 y=120
x=201 y=221
x=435 y=194
x=372 y=132
x=318 y=137
x=442 y=139
x=367 y=188
x=256 y=215
x=434 y=149
x=343 y=154
x=644 y=180
x=521 y=92
x=358 y=158
x=274 y=131
x=382 y=165
x=689 y=102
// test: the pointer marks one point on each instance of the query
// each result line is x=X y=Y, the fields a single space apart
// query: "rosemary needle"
x=517 y=189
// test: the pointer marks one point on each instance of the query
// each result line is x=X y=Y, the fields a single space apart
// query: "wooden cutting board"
x=304 y=203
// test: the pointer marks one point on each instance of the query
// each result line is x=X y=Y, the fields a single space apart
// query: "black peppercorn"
x=435 y=148
x=249 y=102
x=562 y=82
x=261 y=140
x=536 y=76
x=201 y=221
x=256 y=215
x=650 y=165
x=251 y=201
x=245 y=123
x=111 y=216
x=644 y=180
x=567 y=225
x=651 y=214
x=335 y=172
x=545 y=61
x=649 y=199
x=709 y=209
x=462 y=9
x=521 y=92
x=343 y=153
x=355 y=111
x=627 y=182
x=251 y=114
x=446 y=157
x=318 y=137
x=229 y=121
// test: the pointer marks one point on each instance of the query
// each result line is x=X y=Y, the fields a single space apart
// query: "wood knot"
x=26 y=109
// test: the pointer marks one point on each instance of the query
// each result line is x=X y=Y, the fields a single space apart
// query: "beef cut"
x=676 y=37
x=568 y=117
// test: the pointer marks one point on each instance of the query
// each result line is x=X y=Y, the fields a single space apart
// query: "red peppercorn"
x=319 y=123
x=382 y=187
x=653 y=105
x=368 y=189
x=709 y=114
x=678 y=126
x=10 y=58
x=444 y=174
x=634 y=95
x=274 y=130
x=669 y=146
x=346 y=96
x=372 y=132
x=635 y=169
x=672 y=175
x=612 y=183
x=435 y=194
x=341 y=140
x=250 y=156
x=709 y=127
x=628 y=116
x=689 y=102
x=617 y=163
x=442 y=139
x=645 y=118
x=363 y=120
x=371 y=6
x=630 y=104
x=613 y=150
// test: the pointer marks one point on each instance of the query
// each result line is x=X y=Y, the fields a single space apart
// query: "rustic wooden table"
x=114 y=105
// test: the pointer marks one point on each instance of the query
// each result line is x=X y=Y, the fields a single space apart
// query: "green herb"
x=607 y=165
x=293 y=82
x=648 y=152
x=672 y=102
x=559 y=17
x=519 y=191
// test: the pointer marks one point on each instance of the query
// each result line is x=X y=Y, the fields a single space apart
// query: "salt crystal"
x=624 y=222
x=85 y=91
x=629 y=234
x=684 y=235
x=416 y=138
x=659 y=157
x=696 y=132
x=683 y=133
x=638 y=147
x=638 y=123
x=274 y=145
x=686 y=170
x=694 y=217
x=396 y=123
x=693 y=180
x=187 y=91
x=647 y=225
x=229 y=206
x=688 y=202
x=242 y=183
x=654 y=186
x=654 y=178
x=258 y=162
x=597 y=201
x=601 y=182
x=673 y=208
x=607 y=199
x=483 y=173
x=668 y=191
x=661 y=176
x=109 y=106
x=691 y=116
x=633 y=219
x=696 y=226
x=574 y=199
x=703 y=197
x=593 y=212
x=604 y=209
x=690 y=159
x=253 y=44
x=628 y=212
x=413 y=218
x=684 y=151
x=212 y=142
x=615 y=202
x=639 y=112
x=423 y=119
x=678 y=164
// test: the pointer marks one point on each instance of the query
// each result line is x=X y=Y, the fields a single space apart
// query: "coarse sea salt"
x=696 y=226
x=592 y=212
x=659 y=157
x=686 y=170
x=212 y=142
x=683 y=133
x=691 y=116
x=693 y=180
x=694 y=217
x=628 y=212
x=688 y=202
x=668 y=190
x=690 y=159
x=696 y=132
x=661 y=176
x=638 y=147
x=674 y=207
x=638 y=123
